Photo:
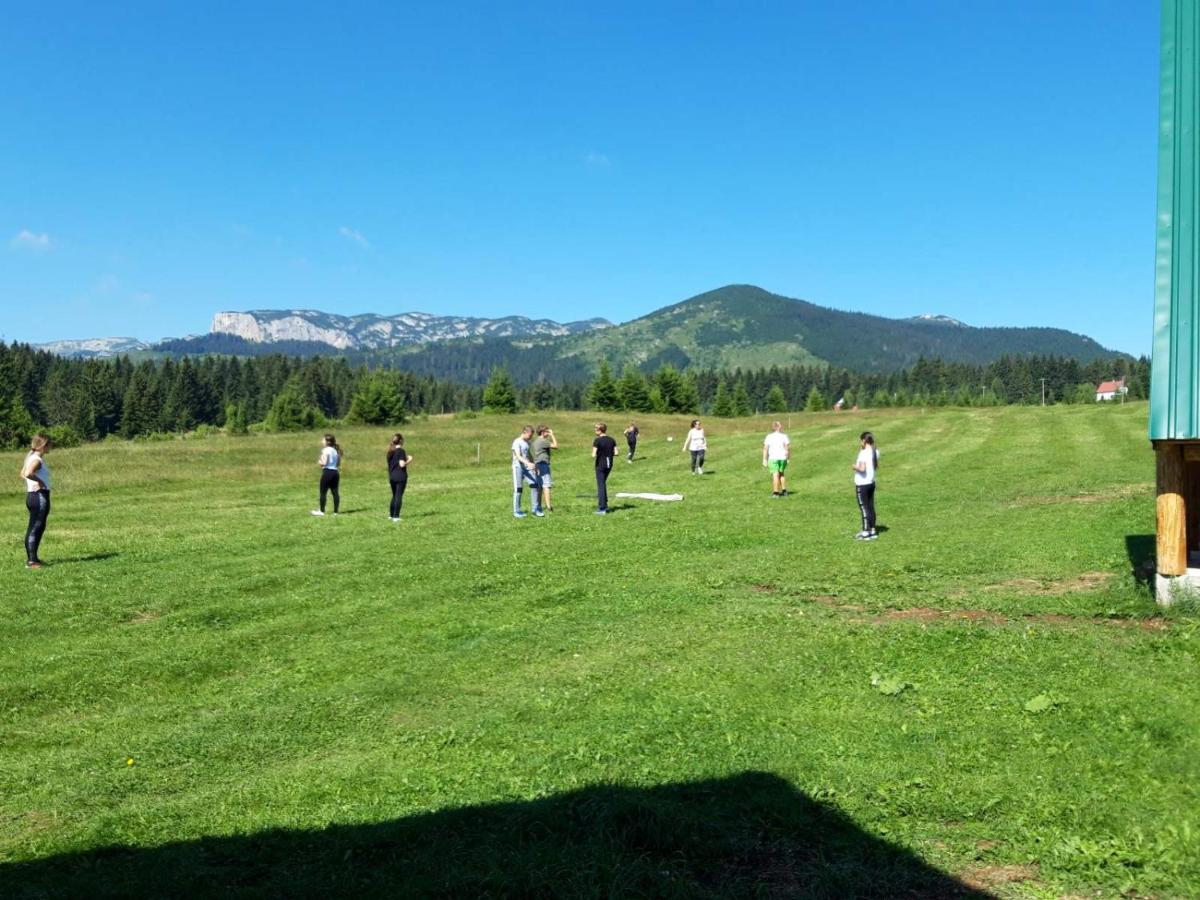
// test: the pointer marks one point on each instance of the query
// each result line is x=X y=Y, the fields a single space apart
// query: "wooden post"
x=1172 y=509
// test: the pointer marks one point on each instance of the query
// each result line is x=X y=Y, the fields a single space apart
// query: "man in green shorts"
x=777 y=450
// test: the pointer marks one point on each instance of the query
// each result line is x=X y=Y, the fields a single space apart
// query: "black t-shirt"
x=397 y=472
x=631 y=435
x=606 y=448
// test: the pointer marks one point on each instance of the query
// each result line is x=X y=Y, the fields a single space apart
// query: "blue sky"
x=992 y=161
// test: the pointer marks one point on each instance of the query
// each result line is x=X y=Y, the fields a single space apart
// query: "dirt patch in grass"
x=1145 y=488
x=929 y=614
x=764 y=588
x=146 y=615
x=981 y=878
x=1032 y=587
x=1087 y=581
x=36 y=821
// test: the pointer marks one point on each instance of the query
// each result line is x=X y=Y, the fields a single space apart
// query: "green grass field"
x=211 y=693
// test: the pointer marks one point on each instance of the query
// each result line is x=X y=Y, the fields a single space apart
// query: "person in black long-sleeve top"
x=604 y=448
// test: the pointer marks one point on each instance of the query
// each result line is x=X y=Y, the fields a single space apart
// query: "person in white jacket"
x=696 y=444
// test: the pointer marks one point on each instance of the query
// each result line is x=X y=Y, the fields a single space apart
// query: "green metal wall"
x=1174 y=391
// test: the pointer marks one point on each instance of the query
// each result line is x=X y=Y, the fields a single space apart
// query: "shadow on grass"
x=1142 y=551
x=747 y=835
x=91 y=557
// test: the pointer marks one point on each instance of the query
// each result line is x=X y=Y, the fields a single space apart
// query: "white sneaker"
x=317 y=512
x=862 y=535
x=699 y=471
x=394 y=518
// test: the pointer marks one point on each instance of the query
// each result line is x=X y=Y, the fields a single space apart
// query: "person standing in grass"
x=777 y=450
x=865 y=467
x=330 y=462
x=398 y=462
x=541 y=447
x=37 y=497
x=696 y=444
x=524 y=472
x=631 y=436
x=604 y=448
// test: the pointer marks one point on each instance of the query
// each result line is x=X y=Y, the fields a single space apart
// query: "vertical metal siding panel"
x=1174 y=394
x=1164 y=275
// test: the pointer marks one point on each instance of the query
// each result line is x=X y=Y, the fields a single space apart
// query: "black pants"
x=602 y=486
x=398 y=497
x=632 y=447
x=697 y=460
x=866 y=504
x=329 y=484
x=38 y=504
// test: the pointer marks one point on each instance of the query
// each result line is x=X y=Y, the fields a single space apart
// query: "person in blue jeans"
x=525 y=472
x=604 y=448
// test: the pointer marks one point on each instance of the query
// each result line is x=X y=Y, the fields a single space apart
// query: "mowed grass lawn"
x=210 y=692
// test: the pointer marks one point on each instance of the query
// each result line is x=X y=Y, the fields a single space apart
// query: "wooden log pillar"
x=1171 y=477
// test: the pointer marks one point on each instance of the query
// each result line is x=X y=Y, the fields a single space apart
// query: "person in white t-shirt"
x=330 y=462
x=525 y=472
x=37 y=497
x=777 y=450
x=865 y=467
x=696 y=444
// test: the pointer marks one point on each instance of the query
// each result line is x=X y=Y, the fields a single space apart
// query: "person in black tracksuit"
x=398 y=462
x=604 y=448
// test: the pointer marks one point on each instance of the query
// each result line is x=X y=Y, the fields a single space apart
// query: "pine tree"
x=16 y=424
x=776 y=400
x=634 y=393
x=741 y=399
x=722 y=403
x=377 y=401
x=603 y=393
x=500 y=396
x=815 y=402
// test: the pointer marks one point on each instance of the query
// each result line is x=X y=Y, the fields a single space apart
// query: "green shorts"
x=778 y=465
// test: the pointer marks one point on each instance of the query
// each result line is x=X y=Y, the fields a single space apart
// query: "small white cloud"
x=30 y=240
x=595 y=160
x=352 y=234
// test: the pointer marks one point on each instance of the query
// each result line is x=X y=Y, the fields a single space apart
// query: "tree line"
x=84 y=400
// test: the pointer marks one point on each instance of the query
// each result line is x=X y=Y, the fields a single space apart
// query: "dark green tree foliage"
x=603 y=393
x=723 y=402
x=142 y=405
x=235 y=418
x=290 y=411
x=378 y=401
x=500 y=395
x=635 y=394
x=16 y=424
x=741 y=400
x=95 y=398
x=815 y=401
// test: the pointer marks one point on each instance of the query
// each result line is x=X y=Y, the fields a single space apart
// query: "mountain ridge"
x=735 y=326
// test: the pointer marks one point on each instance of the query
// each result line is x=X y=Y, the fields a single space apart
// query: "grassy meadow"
x=209 y=692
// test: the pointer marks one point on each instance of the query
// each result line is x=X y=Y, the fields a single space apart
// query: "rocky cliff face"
x=94 y=348
x=370 y=332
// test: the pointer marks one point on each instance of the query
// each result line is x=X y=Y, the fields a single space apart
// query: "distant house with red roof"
x=1111 y=390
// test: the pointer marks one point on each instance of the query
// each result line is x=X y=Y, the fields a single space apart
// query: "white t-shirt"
x=33 y=485
x=695 y=439
x=777 y=444
x=520 y=451
x=866 y=457
x=329 y=458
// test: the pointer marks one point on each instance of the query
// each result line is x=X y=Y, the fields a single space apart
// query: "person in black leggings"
x=398 y=462
x=631 y=436
x=330 y=462
x=37 y=497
